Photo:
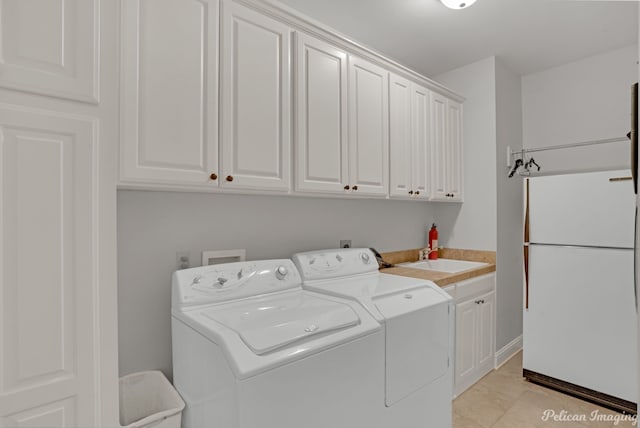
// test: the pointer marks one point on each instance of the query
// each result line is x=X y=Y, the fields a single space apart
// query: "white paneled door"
x=446 y=149
x=454 y=151
x=51 y=47
x=400 y=174
x=486 y=330
x=169 y=92
x=47 y=265
x=368 y=127
x=439 y=146
x=466 y=346
x=410 y=128
x=322 y=139
x=420 y=141
x=256 y=92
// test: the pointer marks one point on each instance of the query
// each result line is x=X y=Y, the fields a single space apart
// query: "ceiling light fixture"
x=458 y=4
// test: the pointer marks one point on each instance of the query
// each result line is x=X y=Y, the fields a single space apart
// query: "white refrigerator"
x=580 y=328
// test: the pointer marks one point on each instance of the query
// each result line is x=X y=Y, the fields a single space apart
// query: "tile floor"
x=503 y=399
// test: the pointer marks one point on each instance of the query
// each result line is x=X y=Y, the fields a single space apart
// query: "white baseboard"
x=508 y=351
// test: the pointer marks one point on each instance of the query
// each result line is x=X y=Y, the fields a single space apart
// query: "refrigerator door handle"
x=635 y=260
x=633 y=136
x=526 y=246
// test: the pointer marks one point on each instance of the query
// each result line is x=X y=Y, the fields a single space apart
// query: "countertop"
x=441 y=278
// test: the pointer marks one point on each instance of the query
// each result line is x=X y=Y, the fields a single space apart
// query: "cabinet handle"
x=355 y=187
x=213 y=176
x=411 y=192
x=346 y=187
x=229 y=178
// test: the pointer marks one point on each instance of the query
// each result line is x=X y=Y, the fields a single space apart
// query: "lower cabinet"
x=475 y=330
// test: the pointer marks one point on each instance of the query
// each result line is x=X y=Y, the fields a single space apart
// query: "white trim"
x=300 y=22
x=509 y=350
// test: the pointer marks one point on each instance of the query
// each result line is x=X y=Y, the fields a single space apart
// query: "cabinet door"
x=169 y=102
x=322 y=139
x=368 y=127
x=466 y=350
x=49 y=286
x=420 y=137
x=486 y=331
x=454 y=151
x=438 y=147
x=255 y=148
x=400 y=173
x=51 y=48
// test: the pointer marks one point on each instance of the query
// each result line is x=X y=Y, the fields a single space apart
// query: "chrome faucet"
x=424 y=253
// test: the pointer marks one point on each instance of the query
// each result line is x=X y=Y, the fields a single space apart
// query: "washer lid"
x=368 y=286
x=271 y=323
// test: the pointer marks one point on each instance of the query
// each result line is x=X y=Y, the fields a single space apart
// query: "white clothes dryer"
x=419 y=324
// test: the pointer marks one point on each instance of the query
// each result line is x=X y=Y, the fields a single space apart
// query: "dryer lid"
x=270 y=323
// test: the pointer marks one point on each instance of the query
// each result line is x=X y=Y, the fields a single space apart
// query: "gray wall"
x=153 y=226
x=583 y=100
x=490 y=218
x=509 y=209
x=472 y=224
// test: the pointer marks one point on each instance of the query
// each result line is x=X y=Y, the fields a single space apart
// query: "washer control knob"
x=281 y=272
x=365 y=258
x=220 y=282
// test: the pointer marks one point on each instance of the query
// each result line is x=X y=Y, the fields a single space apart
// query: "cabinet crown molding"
x=300 y=22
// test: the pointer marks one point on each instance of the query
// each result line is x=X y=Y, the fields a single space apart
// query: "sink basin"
x=444 y=265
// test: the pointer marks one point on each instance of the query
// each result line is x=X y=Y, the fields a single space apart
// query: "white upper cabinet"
x=409 y=144
x=420 y=141
x=50 y=48
x=321 y=132
x=368 y=128
x=455 y=158
x=400 y=174
x=169 y=98
x=446 y=149
x=219 y=95
x=256 y=98
x=438 y=147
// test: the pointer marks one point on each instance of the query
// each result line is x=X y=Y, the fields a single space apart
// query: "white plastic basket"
x=147 y=399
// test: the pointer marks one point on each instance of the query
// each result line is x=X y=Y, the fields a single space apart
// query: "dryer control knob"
x=365 y=258
x=281 y=272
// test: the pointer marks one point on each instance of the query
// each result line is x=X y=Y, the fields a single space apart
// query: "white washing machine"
x=252 y=349
x=418 y=319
